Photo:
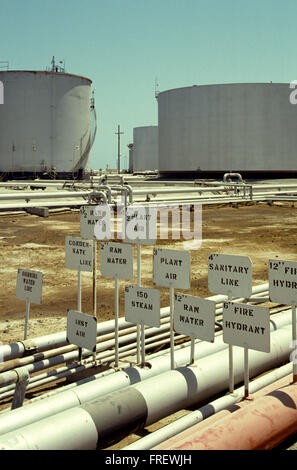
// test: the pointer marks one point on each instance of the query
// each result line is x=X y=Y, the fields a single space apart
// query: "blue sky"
x=124 y=45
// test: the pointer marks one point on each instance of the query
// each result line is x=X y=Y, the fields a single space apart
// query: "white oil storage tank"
x=45 y=124
x=145 y=149
x=244 y=127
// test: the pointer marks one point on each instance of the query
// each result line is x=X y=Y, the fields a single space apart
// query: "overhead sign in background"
x=282 y=281
x=29 y=285
x=140 y=225
x=230 y=274
x=116 y=260
x=172 y=268
x=79 y=254
x=194 y=317
x=142 y=305
x=246 y=326
x=82 y=330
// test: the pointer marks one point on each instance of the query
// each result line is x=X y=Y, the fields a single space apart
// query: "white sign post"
x=194 y=317
x=116 y=260
x=142 y=306
x=90 y=217
x=172 y=269
x=283 y=290
x=29 y=288
x=78 y=256
x=230 y=275
x=247 y=326
x=140 y=228
x=82 y=331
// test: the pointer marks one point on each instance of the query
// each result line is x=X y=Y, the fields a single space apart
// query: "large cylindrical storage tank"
x=45 y=124
x=227 y=128
x=145 y=149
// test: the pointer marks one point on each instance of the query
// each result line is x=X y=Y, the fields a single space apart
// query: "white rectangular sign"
x=283 y=281
x=194 y=317
x=142 y=305
x=230 y=274
x=82 y=330
x=246 y=326
x=95 y=222
x=116 y=260
x=140 y=225
x=172 y=268
x=79 y=254
x=29 y=285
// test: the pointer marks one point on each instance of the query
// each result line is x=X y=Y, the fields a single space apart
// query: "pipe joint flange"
x=23 y=376
x=30 y=347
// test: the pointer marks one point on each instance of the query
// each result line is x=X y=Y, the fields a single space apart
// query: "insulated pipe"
x=42 y=343
x=204 y=348
x=9 y=377
x=210 y=409
x=133 y=374
x=183 y=438
x=261 y=425
x=132 y=408
x=44 y=195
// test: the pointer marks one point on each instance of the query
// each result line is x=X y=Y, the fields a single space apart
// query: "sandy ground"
x=259 y=231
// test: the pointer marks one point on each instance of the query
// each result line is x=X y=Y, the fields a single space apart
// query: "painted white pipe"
x=181 y=424
x=42 y=343
x=143 y=403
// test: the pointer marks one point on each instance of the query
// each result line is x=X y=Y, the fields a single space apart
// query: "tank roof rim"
x=223 y=84
x=47 y=72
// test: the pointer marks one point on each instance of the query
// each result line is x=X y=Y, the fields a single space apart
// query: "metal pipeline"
x=260 y=424
x=152 y=335
x=110 y=417
x=213 y=408
x=42 y=343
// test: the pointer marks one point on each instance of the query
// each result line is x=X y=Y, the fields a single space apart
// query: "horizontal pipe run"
x=151 y=341
x=42 y=343
x=146 y=402
x=261 y=425
x=210 y=409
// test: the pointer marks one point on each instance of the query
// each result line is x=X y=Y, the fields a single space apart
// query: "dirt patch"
x=258 y=231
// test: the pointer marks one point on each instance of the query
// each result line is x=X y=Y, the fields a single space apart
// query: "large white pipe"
x=181 y=424
x=43 y=343
x=131 y=408
x=118 y=381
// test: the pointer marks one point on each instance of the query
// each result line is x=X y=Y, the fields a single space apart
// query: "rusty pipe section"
x=260 y=424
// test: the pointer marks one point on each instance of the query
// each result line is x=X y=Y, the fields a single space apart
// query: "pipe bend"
x=227 y=177
x=95 y=194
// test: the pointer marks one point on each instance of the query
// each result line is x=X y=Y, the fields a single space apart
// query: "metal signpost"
x=230 y=275
x=82 y=331
x=194 y=317
x=116 y=260
x=140 y=227
x=79 y=256
x=90 y=217
x=142 y=306
x=172 y=269
x=247 y=326
x=29 y=288
x=283 y=290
